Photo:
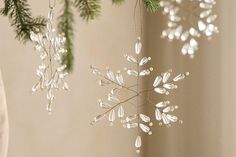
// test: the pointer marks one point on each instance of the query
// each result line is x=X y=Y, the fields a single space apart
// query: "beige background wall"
x=199 y=98
x=67 y=132
x=206 y=99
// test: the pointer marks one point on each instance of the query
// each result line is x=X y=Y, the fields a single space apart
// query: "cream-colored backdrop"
x=206 y=99
x=67 y=132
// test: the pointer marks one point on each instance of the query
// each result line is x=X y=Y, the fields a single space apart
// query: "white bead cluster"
x=51 y=73
x=115 y=106
x=188 y=20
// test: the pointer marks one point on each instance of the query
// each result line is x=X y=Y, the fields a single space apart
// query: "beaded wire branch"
x=112 y=103
x=51 y=73
x=188 y=20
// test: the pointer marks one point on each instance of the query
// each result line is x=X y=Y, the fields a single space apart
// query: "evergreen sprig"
x=117 y=1
x=151 y=5
x=88 y=9
x=21 y=19
x=65 y=26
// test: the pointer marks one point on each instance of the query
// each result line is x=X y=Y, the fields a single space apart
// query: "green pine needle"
x=117 y=1
x=151 y=5
x=88 y=9
x=65 y=26
x=21 y=19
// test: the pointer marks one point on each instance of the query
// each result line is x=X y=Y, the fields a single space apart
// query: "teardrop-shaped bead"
x=43 y=56
x=201 y=25
x=49 y=108
x=130 y=59
x=179 y=77
x=157 y=81
x=172 y=118
x=112 y=98
x=49 y=27
x=185 y=48
x=193 y=43
x=184 y=36
x=193 y=32
x=178 y=31
x=205 y=5
x=103 y=104
x=205 y=13
x=38 y=47
x=95 y=71
x=132 y=125
x=171 y=24
x=138 y=142
x=211 y=18
x=50 y=15
x=35 y=87
x=175 y=18
x=98 y=118
x=61 y=68
x=121 y=112
x=138 y=46
x=110 y=75
x=160 y=90
x=144 y=60
x=65 y=86
x=144 y=118
x=33 y=37
x=170 y=86
x=167 y=109
x=162 y=104
x=112 y=116
x=119 y=78
x=158 y=114
x=144 y=128
x=144 y=72
x=166 y=76
x=132 y=72
x=49 y=95
x=131 y=118
x=165 y=119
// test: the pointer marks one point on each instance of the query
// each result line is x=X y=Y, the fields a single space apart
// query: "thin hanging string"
x=141 y=18
x=51 y=5
x=138 y=8
x=139 y=32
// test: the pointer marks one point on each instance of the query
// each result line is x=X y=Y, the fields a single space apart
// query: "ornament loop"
x=52 y=4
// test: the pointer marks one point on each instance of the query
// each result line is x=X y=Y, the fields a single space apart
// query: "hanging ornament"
x=188 y=20
x=51 y=73
x=115 y=106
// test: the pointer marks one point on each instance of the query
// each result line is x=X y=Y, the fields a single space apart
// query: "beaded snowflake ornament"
x=51 y=73
x=188 y=20
x=114 y=105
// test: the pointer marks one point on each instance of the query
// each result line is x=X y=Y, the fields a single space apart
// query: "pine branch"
x=65 y=26
x=117 y=1
x=151 y=5
x=21 y=19
x=4 y=11
x=88 y=9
